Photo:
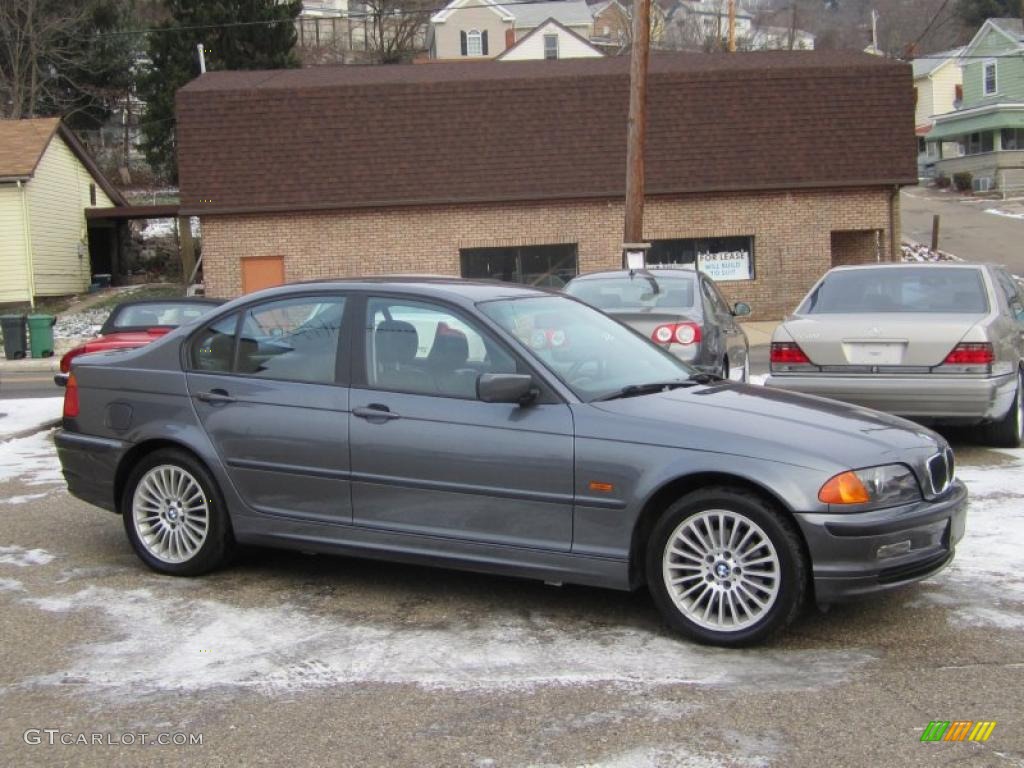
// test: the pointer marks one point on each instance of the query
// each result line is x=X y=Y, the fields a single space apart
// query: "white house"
x=484 y=29
x=551 y=40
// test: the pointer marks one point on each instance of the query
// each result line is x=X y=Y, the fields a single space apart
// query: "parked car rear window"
x=169 y=314
x=910 y=289
x=622 y=293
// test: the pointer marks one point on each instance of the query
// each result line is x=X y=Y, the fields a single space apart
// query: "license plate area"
x=874 y=352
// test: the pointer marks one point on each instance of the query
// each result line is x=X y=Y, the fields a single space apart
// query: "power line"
x=298 y=19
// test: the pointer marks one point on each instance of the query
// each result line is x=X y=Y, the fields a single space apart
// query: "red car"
x=137 y=323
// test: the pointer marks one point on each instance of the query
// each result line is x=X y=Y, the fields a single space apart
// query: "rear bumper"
x=928 y=397
x=846 y=553
x=90 y=466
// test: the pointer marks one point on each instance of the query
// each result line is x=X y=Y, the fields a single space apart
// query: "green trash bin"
x=40 y=335
x=14 y=336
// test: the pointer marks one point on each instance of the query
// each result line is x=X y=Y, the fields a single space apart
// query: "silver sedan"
x=679 y=309
x=937 y=343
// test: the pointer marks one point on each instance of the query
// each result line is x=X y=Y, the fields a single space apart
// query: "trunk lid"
x=880 y=340
x=646 y=322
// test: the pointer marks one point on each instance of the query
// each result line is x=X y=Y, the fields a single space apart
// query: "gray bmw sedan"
x=496 y=428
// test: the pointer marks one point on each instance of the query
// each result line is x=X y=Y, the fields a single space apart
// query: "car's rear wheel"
x=1008 y=432
x=726 y=567
x=174 y=515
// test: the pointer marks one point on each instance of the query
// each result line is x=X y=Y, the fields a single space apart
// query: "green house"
x=985 y=135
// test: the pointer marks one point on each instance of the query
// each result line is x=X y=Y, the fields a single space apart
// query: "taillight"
x=787 y=356
x=788 y=353
x=971 y=353
x=71 y=398
x=677 y=333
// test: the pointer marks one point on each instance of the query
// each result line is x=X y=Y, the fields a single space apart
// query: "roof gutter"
x=25 y=221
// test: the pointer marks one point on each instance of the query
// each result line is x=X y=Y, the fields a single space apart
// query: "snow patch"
x=23 y=499
x=678 y=757
x=1007 y=214
x=32 y=460
x=31 y=413
x=171 y=643
x=758 y=380
x=11 y=585
x=984 y=586
x=24 y=557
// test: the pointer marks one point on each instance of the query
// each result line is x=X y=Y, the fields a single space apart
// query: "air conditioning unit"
x=982 y=184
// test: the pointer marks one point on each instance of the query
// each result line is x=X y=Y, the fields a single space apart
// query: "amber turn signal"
x=844 y=489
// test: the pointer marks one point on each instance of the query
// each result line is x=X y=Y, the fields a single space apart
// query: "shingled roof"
x=350 y=137
x=23 y=144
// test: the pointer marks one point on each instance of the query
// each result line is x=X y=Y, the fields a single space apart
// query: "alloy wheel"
x=721 y=570
x=171 y=513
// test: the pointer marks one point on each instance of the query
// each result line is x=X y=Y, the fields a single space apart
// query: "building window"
x=474 y=44
x=1013 y=138
x=720 y=258
x=990 y=77
x=933 y=150
x=979 y=142
x=549 y=266
x=550 y=46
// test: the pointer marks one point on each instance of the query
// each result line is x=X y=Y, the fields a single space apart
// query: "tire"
x=773 y=573
x=174 y=515
x=1007 y=432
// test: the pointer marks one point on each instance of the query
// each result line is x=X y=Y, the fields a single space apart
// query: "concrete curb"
x=30 y=364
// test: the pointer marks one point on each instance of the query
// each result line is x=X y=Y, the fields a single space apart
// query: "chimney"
x=510 y=38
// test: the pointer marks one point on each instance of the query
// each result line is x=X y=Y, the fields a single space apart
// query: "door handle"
x=375 y=411
x=215 y=397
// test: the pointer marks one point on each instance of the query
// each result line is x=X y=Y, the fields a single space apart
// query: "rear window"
x=636 y=293
x=913 y=289
x=154 y=315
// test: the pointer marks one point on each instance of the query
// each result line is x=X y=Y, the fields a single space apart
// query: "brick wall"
x=792 y=237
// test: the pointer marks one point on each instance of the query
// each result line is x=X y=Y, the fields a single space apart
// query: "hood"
x=769 y=424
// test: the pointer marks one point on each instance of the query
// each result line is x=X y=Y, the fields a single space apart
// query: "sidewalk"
x=759 y=334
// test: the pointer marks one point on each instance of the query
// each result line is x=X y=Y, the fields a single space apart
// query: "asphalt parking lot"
x=315 y=660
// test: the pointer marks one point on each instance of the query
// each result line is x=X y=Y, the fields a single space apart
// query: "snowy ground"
x=18 y=416
x=287 y=630
x=1007 y=214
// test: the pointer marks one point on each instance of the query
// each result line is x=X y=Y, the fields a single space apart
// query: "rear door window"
x=292 y=339
x=213 y=349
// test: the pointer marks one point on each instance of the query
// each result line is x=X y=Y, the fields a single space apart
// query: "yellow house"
x=47 y=180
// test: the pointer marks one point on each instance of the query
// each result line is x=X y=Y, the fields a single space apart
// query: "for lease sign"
x=725 y=265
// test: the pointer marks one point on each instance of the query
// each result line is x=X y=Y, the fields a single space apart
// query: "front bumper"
x=90 y=466
x=845 y=547
x=936 y=397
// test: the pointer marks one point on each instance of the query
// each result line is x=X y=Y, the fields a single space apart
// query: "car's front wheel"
x=174 y=515
x=726 y=567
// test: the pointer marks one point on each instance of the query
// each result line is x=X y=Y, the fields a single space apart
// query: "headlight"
x=884 y=486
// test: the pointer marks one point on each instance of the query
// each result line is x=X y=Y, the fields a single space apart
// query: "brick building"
x=783 y=164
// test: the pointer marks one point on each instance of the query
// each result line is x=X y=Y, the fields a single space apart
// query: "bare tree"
x=396 y=29
x=38 y=48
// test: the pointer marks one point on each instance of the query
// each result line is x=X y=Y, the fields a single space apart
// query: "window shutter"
x=483 y=42
x=462 y=40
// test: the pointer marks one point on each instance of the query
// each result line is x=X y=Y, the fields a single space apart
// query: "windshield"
x=592 y=353
x=634 y=293
x=157 y=314
x=900 y=289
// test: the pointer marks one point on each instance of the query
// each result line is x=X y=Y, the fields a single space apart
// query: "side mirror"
x=741 y=309
x=505 y=388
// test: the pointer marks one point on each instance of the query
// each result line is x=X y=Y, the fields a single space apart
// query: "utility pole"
x=633 y=230
x=732 y=26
